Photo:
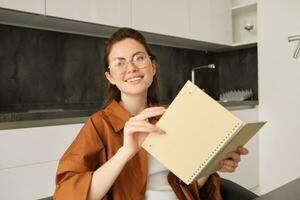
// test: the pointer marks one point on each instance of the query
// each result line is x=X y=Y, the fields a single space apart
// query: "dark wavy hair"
x=113 y=93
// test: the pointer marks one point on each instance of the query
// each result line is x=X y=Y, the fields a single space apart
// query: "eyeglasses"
x=139 y=60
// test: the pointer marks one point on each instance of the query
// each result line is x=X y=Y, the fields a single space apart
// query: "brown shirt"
x=98 y=140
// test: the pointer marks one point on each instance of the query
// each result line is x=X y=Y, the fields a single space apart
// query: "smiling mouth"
x=134 y=79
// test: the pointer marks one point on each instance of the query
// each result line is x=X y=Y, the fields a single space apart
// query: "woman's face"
x=130 y=67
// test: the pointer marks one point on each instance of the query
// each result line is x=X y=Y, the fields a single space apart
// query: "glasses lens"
x=140 y=60
x=118 y=65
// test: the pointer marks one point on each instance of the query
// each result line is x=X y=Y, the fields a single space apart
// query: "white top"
x=158 y=187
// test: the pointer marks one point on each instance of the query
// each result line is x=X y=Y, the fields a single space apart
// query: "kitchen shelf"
x=244 y=8
x=242 y=45
x=251 y=43
x=242 y=15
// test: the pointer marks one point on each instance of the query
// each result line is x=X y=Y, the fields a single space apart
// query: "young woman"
x=106 y=161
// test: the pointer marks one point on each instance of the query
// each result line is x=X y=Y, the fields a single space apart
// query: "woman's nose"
x=131 y=67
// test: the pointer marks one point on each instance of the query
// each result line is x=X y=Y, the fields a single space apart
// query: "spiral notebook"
x=199 y=133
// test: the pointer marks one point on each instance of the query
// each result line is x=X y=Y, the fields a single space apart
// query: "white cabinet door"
x=221 y=21
x=166 y=17
x=29 y=157
x=249 y=163
x=210 y=21
x=32 y=6
x=201 y=25
x=106 y=12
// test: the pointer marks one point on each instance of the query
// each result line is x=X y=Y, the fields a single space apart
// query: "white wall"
x=28 y=160
x=279 y=93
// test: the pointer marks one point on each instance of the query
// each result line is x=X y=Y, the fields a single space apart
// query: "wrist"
x=125 y=153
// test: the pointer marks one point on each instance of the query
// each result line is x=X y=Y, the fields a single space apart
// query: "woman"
x=106 y=161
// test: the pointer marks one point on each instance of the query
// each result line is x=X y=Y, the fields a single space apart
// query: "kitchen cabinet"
x=193 y=24
x=29 y=158
x=210 y=21
x=31 y=6
x=163 y=17
x=113 y=13
x=204 y=20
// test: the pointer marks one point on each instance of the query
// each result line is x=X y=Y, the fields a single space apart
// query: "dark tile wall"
x=44 y=69
x=175 y=69
x=238 y=70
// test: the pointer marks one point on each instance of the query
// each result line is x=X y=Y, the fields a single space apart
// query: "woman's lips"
x=135 y=80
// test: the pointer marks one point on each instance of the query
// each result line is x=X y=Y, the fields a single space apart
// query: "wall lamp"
x=210 y=66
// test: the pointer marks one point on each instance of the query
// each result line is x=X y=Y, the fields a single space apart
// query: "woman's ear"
x=110 y=78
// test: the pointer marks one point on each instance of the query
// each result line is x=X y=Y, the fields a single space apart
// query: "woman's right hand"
x=137 y=129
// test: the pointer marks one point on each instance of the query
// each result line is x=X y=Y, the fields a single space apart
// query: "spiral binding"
x=197 y=171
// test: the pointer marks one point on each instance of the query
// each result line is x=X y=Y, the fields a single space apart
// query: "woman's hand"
x=231 y=163
x=137 y=129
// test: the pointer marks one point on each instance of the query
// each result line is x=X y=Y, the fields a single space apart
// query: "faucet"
x=210 y=66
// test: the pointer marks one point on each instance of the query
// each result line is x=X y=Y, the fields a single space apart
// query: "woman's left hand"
x=231 y=163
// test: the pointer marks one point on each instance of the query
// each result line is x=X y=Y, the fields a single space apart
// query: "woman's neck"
x=134 y=104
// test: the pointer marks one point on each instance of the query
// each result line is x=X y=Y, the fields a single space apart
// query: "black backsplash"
x=238 y=70
x=44 y=69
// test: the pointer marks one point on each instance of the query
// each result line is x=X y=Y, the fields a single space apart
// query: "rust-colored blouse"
x=98 y=140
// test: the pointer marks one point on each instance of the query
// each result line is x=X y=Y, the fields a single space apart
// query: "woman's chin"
x=136 y=89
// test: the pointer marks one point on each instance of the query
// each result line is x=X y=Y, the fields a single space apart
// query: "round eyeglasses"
x=139 y=60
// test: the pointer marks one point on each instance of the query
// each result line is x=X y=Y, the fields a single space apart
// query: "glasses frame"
x=148 y=58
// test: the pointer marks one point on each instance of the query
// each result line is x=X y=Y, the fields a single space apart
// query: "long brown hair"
x=113 y=93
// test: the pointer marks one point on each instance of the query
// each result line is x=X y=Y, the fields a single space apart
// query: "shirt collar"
x=118 y=115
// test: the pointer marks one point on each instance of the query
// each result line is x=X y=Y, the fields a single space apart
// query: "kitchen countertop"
x=51 y=117
x=239 y=105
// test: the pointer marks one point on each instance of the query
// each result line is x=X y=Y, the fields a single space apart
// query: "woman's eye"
x=119 y=63
x=139 y=58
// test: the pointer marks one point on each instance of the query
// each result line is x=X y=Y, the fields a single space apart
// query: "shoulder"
x=94 y=130
x=98 y=120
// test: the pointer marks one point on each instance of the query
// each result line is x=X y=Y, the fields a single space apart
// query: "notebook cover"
x=196 y=126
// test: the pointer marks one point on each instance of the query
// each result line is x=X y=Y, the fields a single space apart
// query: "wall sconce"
x=210 y=66
x=295 y=38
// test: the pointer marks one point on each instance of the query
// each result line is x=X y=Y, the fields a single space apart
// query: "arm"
x=105 y=176
x=135 y=131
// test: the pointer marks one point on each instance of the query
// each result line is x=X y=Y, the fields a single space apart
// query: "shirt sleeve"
x=81 y=159
x=211 y=189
